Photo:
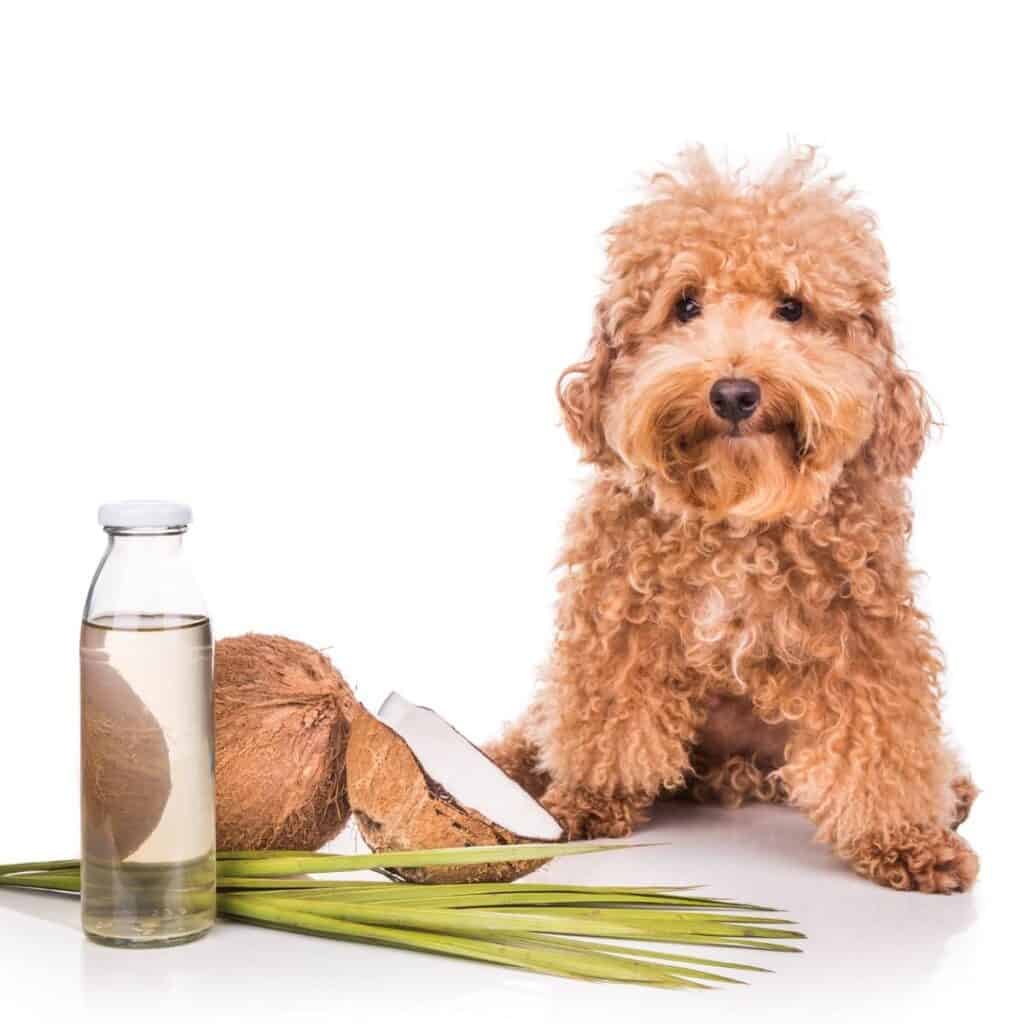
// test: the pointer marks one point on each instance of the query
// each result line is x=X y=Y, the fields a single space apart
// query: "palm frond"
x=555 y=929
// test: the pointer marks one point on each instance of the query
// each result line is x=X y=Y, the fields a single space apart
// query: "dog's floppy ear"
x=903 y=416
x=580 y=393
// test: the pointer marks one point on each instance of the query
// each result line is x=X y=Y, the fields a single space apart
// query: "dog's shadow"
x=768 y=855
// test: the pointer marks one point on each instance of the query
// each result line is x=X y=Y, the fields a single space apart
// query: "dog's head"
x=741 y=356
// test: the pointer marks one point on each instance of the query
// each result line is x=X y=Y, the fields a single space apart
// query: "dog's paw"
x=585 y=815
x=965 y=792
x=921 y=858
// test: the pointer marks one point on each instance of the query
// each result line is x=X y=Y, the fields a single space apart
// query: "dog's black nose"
x=735 y=398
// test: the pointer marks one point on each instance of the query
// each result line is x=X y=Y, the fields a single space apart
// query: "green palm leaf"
x=553 y=929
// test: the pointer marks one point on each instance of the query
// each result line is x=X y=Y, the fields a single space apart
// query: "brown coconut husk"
x=399 y=807
x=126 y=770
x=282 y=727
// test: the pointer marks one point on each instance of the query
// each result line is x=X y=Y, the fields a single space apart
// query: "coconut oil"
x=148 y=856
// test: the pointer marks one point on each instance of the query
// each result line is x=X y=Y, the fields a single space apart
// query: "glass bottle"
x=148 y=836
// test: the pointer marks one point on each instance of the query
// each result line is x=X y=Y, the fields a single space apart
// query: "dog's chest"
x=732 y=610
x=722 y=634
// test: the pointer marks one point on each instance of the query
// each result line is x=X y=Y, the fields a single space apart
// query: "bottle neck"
x=144 y=572
x=150 y=542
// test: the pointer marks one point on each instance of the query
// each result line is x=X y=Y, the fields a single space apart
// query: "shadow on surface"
x=861 y=937
x=56 y=907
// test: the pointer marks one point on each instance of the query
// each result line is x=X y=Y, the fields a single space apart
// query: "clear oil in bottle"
x=148 y=854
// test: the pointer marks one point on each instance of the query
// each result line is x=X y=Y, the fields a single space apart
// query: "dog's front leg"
x=612 y=728
x=867 y=760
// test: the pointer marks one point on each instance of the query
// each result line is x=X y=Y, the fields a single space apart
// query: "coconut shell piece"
x=126 y=771
x=282 y=727
x=398 y=806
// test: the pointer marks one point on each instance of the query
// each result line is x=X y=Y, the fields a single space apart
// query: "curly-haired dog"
x=737 y=616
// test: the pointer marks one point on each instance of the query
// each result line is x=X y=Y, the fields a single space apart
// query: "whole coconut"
x=283 y=713
x=126 y=771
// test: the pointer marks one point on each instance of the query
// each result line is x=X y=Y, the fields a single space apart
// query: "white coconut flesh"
x=466 y=772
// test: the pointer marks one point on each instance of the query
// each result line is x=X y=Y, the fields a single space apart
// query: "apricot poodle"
x=737 y=616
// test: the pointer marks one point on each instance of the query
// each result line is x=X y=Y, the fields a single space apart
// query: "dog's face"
x=742 y=358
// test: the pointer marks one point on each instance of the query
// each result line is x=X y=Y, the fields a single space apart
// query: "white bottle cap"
x=142 y=514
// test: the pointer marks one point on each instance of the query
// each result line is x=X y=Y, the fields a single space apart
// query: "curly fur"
x=736 y=617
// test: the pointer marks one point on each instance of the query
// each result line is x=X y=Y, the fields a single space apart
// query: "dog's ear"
x=903 y=416
x=581 y=390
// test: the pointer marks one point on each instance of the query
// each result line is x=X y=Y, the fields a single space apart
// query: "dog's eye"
x=687 y=308
x=790 y=310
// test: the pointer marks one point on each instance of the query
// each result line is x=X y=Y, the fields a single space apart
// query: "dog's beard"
x=782 y=461
x=760 y=476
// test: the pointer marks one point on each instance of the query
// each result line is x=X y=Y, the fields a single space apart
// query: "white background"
x=315 y=268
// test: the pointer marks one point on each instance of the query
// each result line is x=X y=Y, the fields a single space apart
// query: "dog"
x=736 y=616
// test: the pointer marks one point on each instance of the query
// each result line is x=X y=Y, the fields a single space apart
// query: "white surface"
x=469 y=775
x=870 y=952
x=144 y=513
x=314 y=268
